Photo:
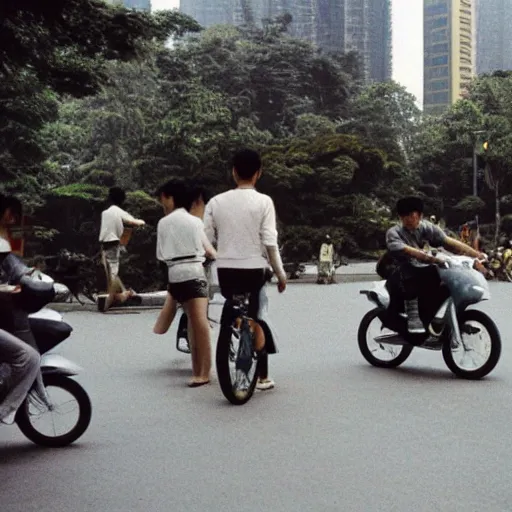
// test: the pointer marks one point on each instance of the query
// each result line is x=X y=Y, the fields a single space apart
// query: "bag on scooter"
x=35 y=294
x=386 y=265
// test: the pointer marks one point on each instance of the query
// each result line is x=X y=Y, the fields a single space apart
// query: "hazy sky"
x=407 y=42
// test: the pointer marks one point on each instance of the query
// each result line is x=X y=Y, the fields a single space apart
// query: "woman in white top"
x=182 y=245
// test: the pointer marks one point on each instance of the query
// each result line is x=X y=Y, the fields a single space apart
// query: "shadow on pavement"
x=418 y=373
x=25 y=450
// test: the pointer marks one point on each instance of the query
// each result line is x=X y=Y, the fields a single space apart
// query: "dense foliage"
x=92 y=96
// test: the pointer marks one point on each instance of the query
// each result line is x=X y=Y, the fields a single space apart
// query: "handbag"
x=386 y=265
x=34 y=294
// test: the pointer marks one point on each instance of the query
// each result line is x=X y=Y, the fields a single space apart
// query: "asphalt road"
x=335 y=434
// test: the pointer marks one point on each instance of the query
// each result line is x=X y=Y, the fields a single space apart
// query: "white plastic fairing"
x=54 y=363
x=378 y=294
x=48 y=314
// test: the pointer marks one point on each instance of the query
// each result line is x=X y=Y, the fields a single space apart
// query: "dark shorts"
x=188 y=290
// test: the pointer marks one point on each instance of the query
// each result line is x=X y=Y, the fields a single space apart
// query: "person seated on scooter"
x=242 y=223
x=19 y=362
x=404 y=242
x=15 y=318
x=182 y=244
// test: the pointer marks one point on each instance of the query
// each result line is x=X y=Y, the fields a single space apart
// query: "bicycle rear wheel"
x=237 y=363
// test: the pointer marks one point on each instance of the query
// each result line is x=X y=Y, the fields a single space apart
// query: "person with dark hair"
x=405 y=242
x=199 y=198
x=182 y=245
x=19 y=362
x=242 y=224
x=113 y=221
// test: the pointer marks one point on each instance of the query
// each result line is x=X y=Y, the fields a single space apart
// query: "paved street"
x=335 y=435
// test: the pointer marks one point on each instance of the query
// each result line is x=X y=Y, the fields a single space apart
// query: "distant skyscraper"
x=449 y=51
x=494 y=35
x=141 y=5
x=363 y=26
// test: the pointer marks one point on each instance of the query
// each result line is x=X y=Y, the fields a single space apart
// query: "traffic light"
x=485 y=145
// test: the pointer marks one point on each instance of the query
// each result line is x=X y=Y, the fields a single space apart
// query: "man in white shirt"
x=182 y=245
x=242 y=224
x=113 y=221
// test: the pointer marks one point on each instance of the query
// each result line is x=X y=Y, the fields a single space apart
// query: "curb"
x=155 y=300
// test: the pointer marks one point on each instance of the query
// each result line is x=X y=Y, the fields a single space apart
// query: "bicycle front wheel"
x=237 y=363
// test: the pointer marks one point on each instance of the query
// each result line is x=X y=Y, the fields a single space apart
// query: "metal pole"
x=475 y=171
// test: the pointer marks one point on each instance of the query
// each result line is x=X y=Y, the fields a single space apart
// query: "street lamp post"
x=475 y=168
x=475 y=162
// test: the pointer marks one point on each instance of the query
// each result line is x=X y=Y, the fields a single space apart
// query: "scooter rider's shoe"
x=414 y=323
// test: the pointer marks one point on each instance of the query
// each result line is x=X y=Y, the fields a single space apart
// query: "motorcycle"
x=49 y=330
x=453 y=329
x=500 y=262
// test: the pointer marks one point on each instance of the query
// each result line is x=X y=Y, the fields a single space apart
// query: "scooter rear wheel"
x=28 y=422
x=392 y=355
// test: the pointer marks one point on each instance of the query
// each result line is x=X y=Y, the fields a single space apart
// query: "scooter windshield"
x=467 y=286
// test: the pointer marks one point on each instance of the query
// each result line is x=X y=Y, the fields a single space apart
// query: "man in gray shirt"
x=406 y=242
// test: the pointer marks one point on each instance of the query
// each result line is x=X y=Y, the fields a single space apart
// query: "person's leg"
x=257 y=294
x=24 y=362
x=200 y=347
x=116 y=290
x=24 y=333
x=409 y=282
x=166 y=315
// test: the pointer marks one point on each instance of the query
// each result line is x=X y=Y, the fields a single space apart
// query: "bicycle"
x=235 y=328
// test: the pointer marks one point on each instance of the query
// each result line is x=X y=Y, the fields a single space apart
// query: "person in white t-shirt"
x=113 y=221
x=182 y=245
x=167 y=314
x=242 y=224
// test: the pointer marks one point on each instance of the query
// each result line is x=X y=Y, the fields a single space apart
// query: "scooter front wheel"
x=39 y=424
x=480 y=350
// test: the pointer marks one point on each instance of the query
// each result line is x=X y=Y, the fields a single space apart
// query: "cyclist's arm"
x=209 y=224
x=209 y=250
x=268 y=235
x=275 y=262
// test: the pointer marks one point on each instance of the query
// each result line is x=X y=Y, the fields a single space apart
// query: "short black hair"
x=246 y=163
x=117 y=196
x=179 y=191
x=407 y=205
x=197 y=192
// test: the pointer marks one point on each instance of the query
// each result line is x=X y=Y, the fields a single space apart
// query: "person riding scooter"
x=414 y=267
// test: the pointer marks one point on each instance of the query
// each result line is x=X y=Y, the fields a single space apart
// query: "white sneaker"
x=265 y=384
x=9 y=419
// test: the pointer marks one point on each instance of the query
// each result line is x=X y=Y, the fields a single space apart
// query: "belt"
x=182 y=258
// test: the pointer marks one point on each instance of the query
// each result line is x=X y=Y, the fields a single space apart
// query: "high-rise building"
x=449 y=51
x=363 y=26
x=494 y=35
x=141 y=5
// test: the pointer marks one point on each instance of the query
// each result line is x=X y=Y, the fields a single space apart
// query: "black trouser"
x=409 y=282
x=234 y=281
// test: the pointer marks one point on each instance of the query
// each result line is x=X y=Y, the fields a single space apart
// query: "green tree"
x=61 y=48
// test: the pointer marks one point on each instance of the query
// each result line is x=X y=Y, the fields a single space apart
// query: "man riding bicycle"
x=242 y=224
